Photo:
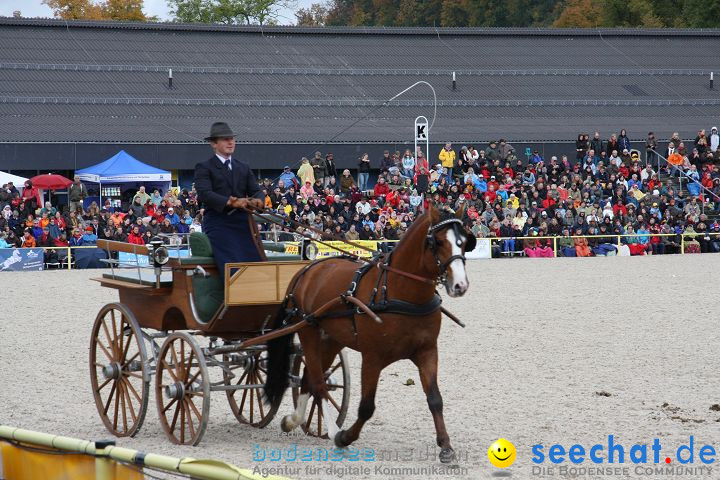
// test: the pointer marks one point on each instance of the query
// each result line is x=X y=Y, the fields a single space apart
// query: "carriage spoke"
x=176 y=362
x=181 y=406
x=117 y=401
x=239 y=381
x=189 y=364
x=242 y=402
x=180 y=364
x=114 y=330
x=189 y=418
x=121 y=336
x=337 y=365
x=252 y=401
x=260 y=403
x=127 y=362
x=132 y=389
x=103 y=384
x=123 y=406
x=308 y=422
x=334 y=402
x=107 y=334
x=169 y=370
x=193 y=378
x=167 y=407
x=132 y=374
x=175 y=416
x=194 y=408
x=129 y=402
x=104 y=350
x=110 y=397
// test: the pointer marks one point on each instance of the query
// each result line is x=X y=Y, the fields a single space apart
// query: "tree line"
x=415 y=13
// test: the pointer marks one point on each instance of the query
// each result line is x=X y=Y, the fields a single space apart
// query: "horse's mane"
x=422 y=223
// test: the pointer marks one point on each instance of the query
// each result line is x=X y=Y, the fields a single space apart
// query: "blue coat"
x=229 y=230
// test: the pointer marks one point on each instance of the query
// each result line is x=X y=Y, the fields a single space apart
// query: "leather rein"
x=381 y=261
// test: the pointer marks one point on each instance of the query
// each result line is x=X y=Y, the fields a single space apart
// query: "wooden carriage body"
x=252 y=293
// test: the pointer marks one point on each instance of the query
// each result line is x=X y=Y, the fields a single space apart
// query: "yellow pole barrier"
x=555 y=247
x=104 y=467
x=682 y=244
x=69 y=257
x=195 y=468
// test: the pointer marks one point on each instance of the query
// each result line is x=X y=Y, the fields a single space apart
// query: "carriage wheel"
x=337 y=378
x=119 y=370
x=246 y=402
x=181 y=385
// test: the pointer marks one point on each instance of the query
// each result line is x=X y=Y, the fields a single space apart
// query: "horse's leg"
x=292 y=421
x=371 y=368
x=427 y=360
x=316 y=352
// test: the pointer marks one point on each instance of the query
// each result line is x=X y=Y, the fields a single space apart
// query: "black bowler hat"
x=219 y=130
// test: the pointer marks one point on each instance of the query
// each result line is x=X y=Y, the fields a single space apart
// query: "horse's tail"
x=279 y=351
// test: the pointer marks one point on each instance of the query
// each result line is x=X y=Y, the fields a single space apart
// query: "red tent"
x=50 y=181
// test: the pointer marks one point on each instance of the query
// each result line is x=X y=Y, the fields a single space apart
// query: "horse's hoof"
x=287 y=425
x=339 y=439
x=447 y=455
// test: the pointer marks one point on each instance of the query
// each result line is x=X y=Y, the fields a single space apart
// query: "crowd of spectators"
x=604 y=190
x=26 y=222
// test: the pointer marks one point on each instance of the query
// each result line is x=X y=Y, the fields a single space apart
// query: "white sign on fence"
x=482 y=250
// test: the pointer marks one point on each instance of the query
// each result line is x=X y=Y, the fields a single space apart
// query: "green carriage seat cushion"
x=208 y=295
x=201 y=250
x=200 y=245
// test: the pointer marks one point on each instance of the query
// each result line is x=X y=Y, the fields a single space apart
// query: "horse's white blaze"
x=458 y=276
x=330 y=420
x=298 y=416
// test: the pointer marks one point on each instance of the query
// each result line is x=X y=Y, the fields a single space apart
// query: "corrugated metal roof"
x=195 y=27
x=107 y=81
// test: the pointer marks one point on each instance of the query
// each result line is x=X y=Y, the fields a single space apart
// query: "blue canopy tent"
x=124 y=169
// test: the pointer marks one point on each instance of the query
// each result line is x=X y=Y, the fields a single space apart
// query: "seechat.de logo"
x=647 y=458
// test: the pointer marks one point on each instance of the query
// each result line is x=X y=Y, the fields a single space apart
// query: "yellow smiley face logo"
x=502 y=453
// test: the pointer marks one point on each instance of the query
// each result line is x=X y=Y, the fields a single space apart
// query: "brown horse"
x=431 y=250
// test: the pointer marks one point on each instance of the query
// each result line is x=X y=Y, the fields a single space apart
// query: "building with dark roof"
x=74 y=93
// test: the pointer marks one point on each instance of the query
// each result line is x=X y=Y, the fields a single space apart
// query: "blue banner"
x=17 y=259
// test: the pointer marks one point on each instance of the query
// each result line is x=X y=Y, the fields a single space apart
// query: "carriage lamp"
x=309 y=249
x=158 y=253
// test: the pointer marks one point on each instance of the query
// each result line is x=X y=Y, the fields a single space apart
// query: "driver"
x=228 y=187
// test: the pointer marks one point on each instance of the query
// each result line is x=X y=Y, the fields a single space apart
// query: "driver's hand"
x=256 y=203
x=241 y=203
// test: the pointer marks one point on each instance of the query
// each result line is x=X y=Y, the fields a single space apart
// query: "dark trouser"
x=231 y=238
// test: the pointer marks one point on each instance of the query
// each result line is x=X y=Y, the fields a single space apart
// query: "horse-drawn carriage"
x=176 y=319
x=387 y=308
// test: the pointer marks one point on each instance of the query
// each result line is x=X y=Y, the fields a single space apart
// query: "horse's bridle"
x=457 y=226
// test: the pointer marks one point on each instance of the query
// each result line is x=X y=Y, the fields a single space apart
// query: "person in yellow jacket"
x=447 y=158
x=305 y=172
x=513 y=202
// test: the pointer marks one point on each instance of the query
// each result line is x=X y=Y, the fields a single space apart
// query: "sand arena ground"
x=555 y=351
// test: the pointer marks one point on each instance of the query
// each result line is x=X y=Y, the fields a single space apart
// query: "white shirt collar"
x=223 y=159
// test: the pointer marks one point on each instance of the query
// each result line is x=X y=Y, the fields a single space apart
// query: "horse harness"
x=382 y=261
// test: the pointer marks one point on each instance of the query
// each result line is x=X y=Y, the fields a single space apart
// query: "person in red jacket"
x=619 y=210
x=392 y=198
x=135 y=237
x=381 y=188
